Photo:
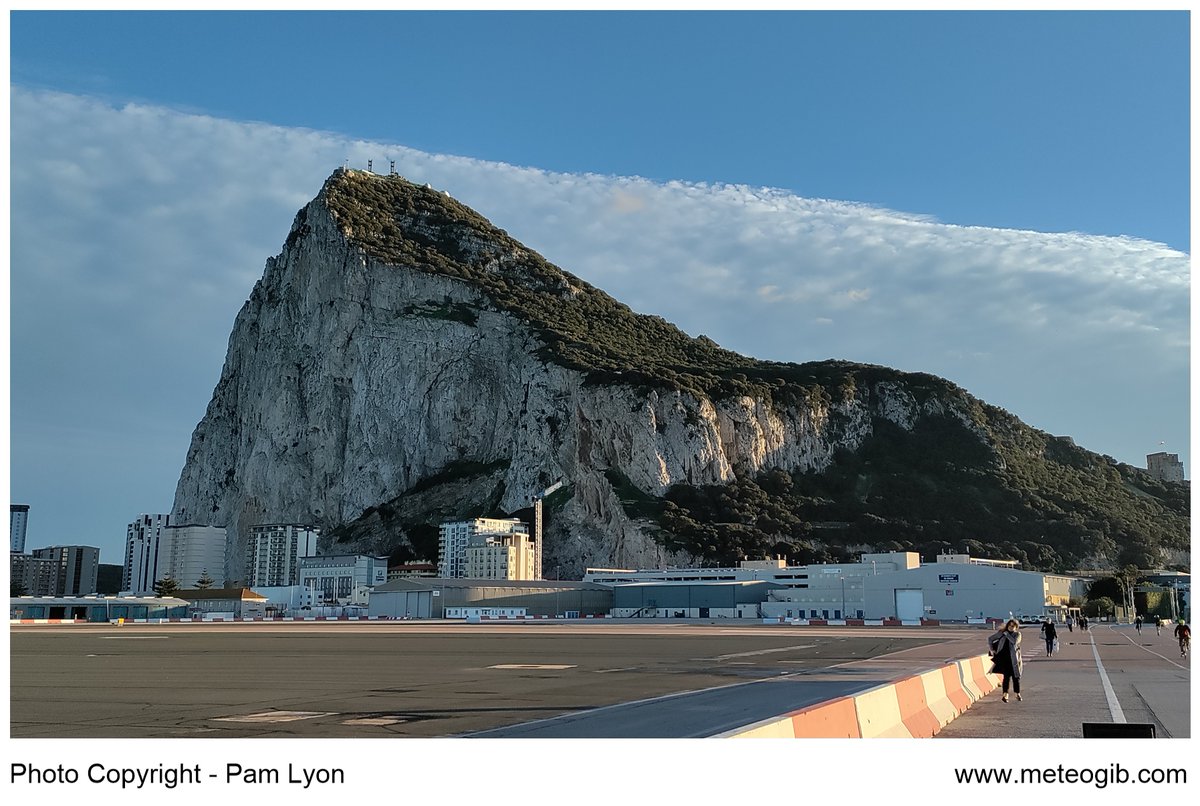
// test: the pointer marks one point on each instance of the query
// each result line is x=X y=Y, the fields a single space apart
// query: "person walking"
x=1158 y=625
x=1137 y=624
x=1005 y=648
x=1070 y=624
x=1050 y=633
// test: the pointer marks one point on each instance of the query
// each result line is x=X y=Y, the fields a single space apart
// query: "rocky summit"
x=403 y=362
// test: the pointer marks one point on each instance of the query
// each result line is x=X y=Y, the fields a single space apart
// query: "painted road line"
x=131 y=637
x=1151 y=651
x=1114 y=707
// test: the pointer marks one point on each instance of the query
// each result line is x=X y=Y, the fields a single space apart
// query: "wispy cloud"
x=137 y=233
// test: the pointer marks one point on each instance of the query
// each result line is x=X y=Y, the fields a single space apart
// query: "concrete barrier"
x=914 y=707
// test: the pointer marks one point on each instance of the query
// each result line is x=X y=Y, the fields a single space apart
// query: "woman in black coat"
x=1005 y=649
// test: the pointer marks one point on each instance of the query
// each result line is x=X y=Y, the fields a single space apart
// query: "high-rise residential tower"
x=454 y=538
x=143 y=540
x=187 y=553
x=78 y=567
x=18 y=521
x=273 y=556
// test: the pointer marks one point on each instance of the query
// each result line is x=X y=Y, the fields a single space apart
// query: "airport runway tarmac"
x=425 y=679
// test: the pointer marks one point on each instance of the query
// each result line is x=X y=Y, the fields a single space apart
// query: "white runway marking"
x=760 y=652
x=1114 y=707
x=375 y=720
x=131 y=637
x=554 y=666
x=274 y=716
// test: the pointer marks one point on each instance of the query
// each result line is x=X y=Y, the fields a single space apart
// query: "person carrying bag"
x=1005 y=648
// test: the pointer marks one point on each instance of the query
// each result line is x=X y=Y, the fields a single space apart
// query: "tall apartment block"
x=18 y=520
x=455 y=537
x=143 y=543
x=501 y=557
x=36 y=576
x=187 y=553
x=78 y=567
x=273 y=555
x=1164 y=466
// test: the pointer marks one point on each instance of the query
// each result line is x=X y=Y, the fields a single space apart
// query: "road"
x=424 y=679
x=1143 y=681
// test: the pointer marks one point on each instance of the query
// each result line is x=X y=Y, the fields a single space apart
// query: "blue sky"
x=1001 y=199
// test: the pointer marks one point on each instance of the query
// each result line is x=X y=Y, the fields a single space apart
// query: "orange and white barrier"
x=914 y=707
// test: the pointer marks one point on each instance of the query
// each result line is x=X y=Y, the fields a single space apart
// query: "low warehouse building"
x=431 y=597
x=96 y=608
x=739 y=599
x=960 y=591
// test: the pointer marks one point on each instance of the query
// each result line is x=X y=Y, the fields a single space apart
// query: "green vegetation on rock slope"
x=1019 y=493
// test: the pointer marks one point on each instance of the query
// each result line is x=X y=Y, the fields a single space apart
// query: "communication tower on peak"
x=391 y=167
x=370 y=169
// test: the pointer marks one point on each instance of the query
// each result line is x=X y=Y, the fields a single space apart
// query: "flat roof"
x=433 y=583
x=82 y=601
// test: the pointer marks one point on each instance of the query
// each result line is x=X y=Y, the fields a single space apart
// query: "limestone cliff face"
x=352 y=377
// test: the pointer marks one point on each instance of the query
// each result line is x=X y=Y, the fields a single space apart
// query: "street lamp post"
x=557 y=579
x=843 y=579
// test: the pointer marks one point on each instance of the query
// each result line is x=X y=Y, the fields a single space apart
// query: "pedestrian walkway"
x=1063 y=692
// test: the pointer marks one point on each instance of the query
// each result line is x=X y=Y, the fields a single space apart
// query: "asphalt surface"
x=1148 y=681
x=425 y=679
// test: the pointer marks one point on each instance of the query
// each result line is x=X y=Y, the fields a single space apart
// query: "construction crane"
x=537 y=526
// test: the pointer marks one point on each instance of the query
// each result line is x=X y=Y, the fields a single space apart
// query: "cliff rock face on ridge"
x=402 y=362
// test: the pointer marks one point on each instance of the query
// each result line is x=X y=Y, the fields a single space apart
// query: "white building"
x=511 y=556
x=1164 y=466
x=965 y=591
x=956 y=587
x=187 y=553
x=454 y=538
x=341 y=578
x=142 y=545
x=18 y=522
x=274 y=553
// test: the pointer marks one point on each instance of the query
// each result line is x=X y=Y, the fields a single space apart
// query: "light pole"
x=843 y=579
x=557 y=579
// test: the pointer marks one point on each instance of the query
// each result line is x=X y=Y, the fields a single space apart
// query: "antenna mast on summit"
x=391 y=167
x=370 y=170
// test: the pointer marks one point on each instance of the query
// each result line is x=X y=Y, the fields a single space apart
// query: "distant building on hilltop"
x=142 y=545
x=18 y=520
x=1165 y=466
x=455 y=537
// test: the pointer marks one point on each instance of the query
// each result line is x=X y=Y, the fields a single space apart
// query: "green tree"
x=1099 y=607
x=16 y=588
x=166 y=586
x=205 y=581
